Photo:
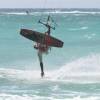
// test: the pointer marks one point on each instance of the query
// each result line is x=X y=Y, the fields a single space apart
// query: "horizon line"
x=51 y=8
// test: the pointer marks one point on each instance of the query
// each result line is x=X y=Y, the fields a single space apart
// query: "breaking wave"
x=52 y=12
x=4 y=96
x=85 y=69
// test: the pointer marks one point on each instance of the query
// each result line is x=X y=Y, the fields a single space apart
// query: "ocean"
x=71 y=72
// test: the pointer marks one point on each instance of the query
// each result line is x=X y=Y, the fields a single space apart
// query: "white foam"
x=85 y=69
x=84 y=28
x=74 y=12
x=53 y=12
x=80 y=28
x=13 y=74
x=90 y=36
x=71 y=12
x=14 y=13
x=4 y=96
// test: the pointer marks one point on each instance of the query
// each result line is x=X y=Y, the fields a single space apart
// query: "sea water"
x=71 y=72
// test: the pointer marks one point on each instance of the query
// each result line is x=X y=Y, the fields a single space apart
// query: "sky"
x=49 y=3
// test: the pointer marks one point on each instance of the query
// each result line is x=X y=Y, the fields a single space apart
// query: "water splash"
x=85 y=69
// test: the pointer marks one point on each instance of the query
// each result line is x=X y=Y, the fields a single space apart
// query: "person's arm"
x=46 y=25
x=52 y=27
x=42 y=23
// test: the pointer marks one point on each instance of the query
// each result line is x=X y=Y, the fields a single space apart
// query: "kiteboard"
x=41 y=38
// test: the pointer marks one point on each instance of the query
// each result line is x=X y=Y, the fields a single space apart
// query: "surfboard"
x=41 y=38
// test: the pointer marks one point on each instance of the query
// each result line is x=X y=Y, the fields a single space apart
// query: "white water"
x=85 y=69
x=52 y=12
x=34 y=97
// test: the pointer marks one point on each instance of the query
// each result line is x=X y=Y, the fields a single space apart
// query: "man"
x=43 y=48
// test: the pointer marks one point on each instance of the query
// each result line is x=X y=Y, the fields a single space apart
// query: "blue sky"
x=49 y=3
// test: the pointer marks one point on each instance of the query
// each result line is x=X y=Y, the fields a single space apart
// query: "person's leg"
x=42 y=71
x=41 y=63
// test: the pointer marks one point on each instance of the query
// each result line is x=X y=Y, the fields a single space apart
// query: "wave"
x=80 y=28
x=85 y=69
x=77 y=12
x=89 y=36
x=16 y=74
x=13 y=13
x=4 y=96
x=52 y=12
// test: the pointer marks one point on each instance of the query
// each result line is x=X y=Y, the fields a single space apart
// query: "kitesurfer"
x=42 y=48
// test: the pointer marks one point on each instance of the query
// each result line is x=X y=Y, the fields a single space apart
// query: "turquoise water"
x=71 y=72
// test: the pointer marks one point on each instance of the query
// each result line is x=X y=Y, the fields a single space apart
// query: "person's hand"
x=35 y=47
